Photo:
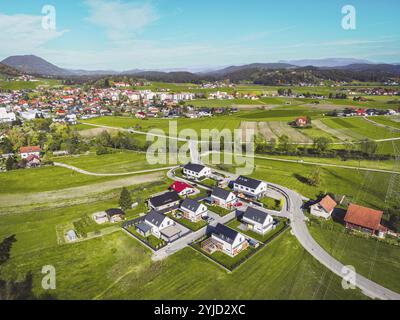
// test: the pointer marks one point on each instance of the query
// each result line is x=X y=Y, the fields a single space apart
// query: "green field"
x=377 y=261
x=117 y=267
x=388 y=121
x=359 y=128
x=44 y=179
x=119 y=162
x=31 y=85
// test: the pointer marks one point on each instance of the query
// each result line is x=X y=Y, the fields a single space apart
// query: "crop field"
x=281 y=128
x=214 y=103
x=287 y=113
x=359 y=128
x=393 y=122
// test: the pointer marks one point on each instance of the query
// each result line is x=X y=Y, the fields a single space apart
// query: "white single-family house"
x=324 y=208
x=6 y=117
x=196 y=171
x=250 y=187
x=161 y=226
x=223 y=198
x=193 y=210
x=228 y=240
x=258 y=221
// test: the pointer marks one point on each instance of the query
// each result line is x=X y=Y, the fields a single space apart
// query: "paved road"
x=67 y=166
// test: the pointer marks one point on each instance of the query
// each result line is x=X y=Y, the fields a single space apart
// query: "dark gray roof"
x=224 y=233
x=194 y=167
x=220 y=193
x=155 y=218
x=255 y=215
x=114 y=212
x=165 y=198
x=144 y=227
x=190 y=204
x=248 y=182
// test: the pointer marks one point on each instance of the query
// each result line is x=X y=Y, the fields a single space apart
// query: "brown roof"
x=328 y=203
x=29 y=149
x=364 y=217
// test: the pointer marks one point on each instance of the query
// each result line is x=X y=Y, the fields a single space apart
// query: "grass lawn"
x=262 y=238
x=218 y=210
x=118 y=267
x=153 y=241
x=270 y=203
x=194 y=226
x=119 y=162
x=224 y=259
x=44 y=179
x=375 y=260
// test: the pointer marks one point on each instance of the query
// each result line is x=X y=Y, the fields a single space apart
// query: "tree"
x=125 y=200
x=321 y=144
x=369 y=147
x=10 y=163
x=283 y=143
x=5 y=248
x=314 y=179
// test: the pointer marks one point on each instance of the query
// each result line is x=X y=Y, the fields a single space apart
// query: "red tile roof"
x=179 y=186
x=364 y=217
x=29 y=149
x=328 y=203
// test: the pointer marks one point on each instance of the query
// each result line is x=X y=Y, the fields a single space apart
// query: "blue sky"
x=122 y=34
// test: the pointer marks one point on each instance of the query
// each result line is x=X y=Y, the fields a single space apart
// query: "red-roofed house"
x=324 y=208
x=182 y=188
x=364 y=219
x=25 y=152
x=301 y=122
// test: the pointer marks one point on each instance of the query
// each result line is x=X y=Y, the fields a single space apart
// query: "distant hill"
x=329 y=62
x=34 y=65
x=8 y=71
x=388 y=68
x=260 y=66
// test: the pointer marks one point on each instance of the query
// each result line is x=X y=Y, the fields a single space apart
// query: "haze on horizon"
x=177 y=34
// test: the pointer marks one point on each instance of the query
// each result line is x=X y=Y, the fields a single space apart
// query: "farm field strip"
x=280 y=128
x=331 y=131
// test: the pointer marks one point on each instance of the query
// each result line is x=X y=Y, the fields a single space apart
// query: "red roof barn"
x=364 y=219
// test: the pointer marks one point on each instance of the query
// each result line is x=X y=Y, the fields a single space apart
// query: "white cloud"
x=22 y=34
x=121 y=21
